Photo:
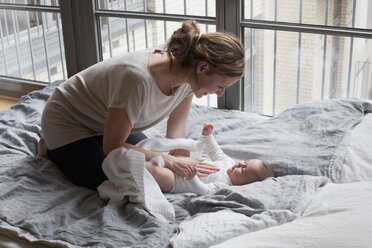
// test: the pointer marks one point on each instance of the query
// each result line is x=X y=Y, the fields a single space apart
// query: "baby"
x=230 y=173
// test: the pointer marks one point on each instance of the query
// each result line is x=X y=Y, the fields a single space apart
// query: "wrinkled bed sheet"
x=246 y=209
x=38 y=204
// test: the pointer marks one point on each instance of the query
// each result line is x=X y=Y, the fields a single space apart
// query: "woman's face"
x=211 y=84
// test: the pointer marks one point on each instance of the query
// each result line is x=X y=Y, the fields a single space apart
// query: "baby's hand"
x=207 y=129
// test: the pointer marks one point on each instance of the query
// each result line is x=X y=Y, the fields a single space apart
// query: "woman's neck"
x=168 y=81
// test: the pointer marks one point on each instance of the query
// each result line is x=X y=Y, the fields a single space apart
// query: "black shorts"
x=81 y=161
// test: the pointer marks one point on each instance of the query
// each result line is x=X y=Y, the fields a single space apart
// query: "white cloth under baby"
x=125 y=169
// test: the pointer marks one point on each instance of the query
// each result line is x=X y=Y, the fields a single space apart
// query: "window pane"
x=33 y=2
x=121 y=35
x=286 y=68
x=31 y=45
x=362 y=70
x=319 y=12
x=183 y=7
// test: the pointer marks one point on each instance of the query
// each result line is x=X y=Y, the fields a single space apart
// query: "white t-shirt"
x=77 y=108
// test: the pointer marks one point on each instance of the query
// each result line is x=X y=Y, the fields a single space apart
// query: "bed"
x=321 y=197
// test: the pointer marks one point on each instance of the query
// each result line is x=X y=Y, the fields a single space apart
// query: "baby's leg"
x=163 y=176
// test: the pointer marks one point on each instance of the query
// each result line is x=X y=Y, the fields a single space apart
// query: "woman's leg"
x=133 y=139
x=81 y=161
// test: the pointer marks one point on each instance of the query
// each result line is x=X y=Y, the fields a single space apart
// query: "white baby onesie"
x=199 y=185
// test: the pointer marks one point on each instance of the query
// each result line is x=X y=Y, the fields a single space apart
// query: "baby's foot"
x=208 y=128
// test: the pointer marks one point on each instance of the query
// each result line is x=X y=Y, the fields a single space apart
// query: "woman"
x=110 y=103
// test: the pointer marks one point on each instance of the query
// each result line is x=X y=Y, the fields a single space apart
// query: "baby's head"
x=245 y=172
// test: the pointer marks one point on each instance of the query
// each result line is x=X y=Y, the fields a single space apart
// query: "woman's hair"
x=222 y=51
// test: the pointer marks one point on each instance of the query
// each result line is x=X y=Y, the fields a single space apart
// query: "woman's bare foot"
x=41 y=149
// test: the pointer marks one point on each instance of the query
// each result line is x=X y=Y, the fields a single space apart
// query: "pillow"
x=339 y=216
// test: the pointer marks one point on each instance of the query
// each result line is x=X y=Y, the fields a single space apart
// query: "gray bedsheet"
x=40 y=205
x=309 y=138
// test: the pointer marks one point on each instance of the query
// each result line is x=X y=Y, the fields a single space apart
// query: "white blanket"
x=128 y=177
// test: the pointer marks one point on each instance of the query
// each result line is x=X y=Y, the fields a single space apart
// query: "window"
x=31 y=40
x=304 y=50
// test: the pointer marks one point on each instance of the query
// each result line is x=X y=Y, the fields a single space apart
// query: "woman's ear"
x=202 y=67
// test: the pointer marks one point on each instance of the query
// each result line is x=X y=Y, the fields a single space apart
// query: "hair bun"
x=223 y=52
x=184 y=39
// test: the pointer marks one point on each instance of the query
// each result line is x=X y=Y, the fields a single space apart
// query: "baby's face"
x=244 y=172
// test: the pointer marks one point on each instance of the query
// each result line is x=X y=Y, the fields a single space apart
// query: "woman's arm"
x=116 y=131
x=176 y=125
x=176 y=128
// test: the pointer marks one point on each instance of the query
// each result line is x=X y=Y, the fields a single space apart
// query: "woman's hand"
x=188 y=167
x=204 y=169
